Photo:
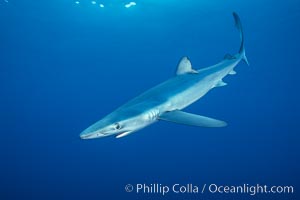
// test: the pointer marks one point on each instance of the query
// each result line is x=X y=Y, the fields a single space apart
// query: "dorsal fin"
x=185 y=66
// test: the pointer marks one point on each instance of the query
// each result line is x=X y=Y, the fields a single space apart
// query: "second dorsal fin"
x=185 y=66
x=229 y=56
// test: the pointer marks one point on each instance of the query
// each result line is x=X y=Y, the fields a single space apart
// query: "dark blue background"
x=64 y=66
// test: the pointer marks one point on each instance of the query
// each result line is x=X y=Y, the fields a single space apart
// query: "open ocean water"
x=66 y=64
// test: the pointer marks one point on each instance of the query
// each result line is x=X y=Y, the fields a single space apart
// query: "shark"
x=167 y=100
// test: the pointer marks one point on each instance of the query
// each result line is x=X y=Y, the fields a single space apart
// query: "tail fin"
x=238 y=25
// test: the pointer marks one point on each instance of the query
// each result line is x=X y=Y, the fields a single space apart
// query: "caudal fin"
x=238 y=25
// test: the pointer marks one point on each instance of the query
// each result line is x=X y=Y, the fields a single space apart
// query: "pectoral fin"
x=181 y=117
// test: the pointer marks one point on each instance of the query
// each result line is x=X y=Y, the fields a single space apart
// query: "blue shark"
x=166 y=100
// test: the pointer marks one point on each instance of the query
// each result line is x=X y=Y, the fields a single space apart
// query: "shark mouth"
x=123 y=134
x=92 y=136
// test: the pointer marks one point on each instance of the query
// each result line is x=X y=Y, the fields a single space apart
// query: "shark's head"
x=119 y=123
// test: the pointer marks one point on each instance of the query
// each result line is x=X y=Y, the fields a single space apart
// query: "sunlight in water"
x=130 y=4
x=101 y=5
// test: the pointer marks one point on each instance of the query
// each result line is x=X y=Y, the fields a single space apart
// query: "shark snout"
x=91 y=135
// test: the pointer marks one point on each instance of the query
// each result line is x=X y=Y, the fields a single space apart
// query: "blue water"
x=65 y=65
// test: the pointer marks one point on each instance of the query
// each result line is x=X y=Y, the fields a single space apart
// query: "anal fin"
x=221 y=83
x=181 y=117
x=232 y=72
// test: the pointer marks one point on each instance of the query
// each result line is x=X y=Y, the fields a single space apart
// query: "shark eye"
x=117 y=126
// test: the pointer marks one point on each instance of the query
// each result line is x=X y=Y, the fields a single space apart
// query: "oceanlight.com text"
x=190 y=188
